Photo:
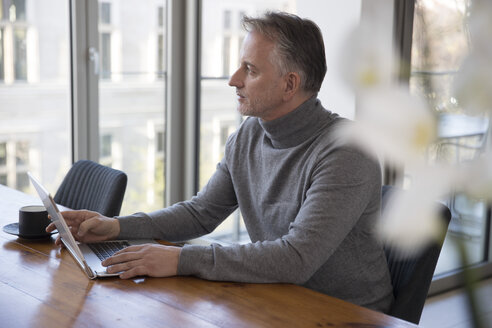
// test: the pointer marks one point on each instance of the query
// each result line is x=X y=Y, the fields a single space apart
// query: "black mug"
x=33 y=220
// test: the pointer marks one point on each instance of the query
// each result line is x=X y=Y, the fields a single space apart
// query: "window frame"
x=403 y=31
x=181 y=61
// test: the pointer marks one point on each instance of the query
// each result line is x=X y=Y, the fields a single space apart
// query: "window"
x=2 y=74
x=227 y=19
x=22 y=153
x=160 y=142
x=160 y=16
x=106 y=144
x=161 y=46
x=440 y=42
x=3 y=154
x=22 y=150
x=105 y=49
x=13 y=10
x=105 y=13
x=13 y=41
x=132 y=97
x=15 y=163
x=105 y=29
x=20 y=54
x=226 y=56
x=3 y=163
x=35 y=128
x=22 y=181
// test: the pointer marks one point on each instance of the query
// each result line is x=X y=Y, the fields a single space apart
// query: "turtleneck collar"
x=297 y=126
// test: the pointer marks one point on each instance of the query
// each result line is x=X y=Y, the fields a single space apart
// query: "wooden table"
x=42 y=286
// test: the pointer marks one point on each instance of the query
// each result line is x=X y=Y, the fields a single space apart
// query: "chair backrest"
x=92 y=186
x=411 y=276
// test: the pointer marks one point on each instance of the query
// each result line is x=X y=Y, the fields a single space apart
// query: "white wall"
x=335 y=19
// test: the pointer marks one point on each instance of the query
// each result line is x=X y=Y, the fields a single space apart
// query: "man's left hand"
x=148 y=259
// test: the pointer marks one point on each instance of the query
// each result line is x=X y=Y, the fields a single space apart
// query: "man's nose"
x=235 y=80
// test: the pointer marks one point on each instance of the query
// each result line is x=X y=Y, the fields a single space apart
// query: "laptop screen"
x=57 y=219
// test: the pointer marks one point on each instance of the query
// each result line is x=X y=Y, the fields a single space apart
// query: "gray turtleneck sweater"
x=309 y=205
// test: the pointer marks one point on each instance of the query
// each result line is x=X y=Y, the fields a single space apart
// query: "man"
x=308 y=203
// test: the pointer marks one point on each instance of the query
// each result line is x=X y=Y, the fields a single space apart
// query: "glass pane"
x=223 y=34
x=105 y=49
x=20 y=54
x=440 y=42
x=35 y=128
x=2 y=76
x=105 y=12
x=20 y=9
x=132 y=97
x=3 y=153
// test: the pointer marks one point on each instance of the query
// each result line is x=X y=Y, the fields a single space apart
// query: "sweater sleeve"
x=189 y=219
x=342 y=198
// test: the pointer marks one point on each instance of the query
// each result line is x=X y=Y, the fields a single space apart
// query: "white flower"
x=392 y=124
x=475 y=178
x=473 y=84
x=367 y=58
x=411 y=219
x=365 y=61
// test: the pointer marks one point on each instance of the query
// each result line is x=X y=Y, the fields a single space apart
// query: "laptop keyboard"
x=107 y=249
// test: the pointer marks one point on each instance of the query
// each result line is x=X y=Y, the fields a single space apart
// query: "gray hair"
x=298 y=46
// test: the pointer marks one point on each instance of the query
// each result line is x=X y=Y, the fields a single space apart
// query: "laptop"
x=88 y=256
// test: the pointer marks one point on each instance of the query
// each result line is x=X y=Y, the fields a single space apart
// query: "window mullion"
x=181 y=101
x=85 y=116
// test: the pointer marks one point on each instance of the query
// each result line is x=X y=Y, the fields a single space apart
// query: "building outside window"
x=441 y=40
x=3 y=154
x=105 y=13
x=2 y=73
x=105 y=39
x=3 y=163
x=161 y=46
x=35 y=128
x=105 y=49
x=14 y=164
x=22 y=153
x=20 y=54
x=132 y=96
x=13 y=41
x=106 y=149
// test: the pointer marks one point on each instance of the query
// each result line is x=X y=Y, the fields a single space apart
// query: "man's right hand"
x=88 y=226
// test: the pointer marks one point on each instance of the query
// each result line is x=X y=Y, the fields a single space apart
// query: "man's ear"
x=292 y=85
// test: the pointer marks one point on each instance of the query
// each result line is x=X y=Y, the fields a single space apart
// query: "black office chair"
x=92 y=186
x=411 y=276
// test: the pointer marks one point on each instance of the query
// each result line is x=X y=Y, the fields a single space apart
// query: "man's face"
x=258 y=83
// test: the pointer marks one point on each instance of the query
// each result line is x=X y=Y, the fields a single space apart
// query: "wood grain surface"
x=42 y=286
